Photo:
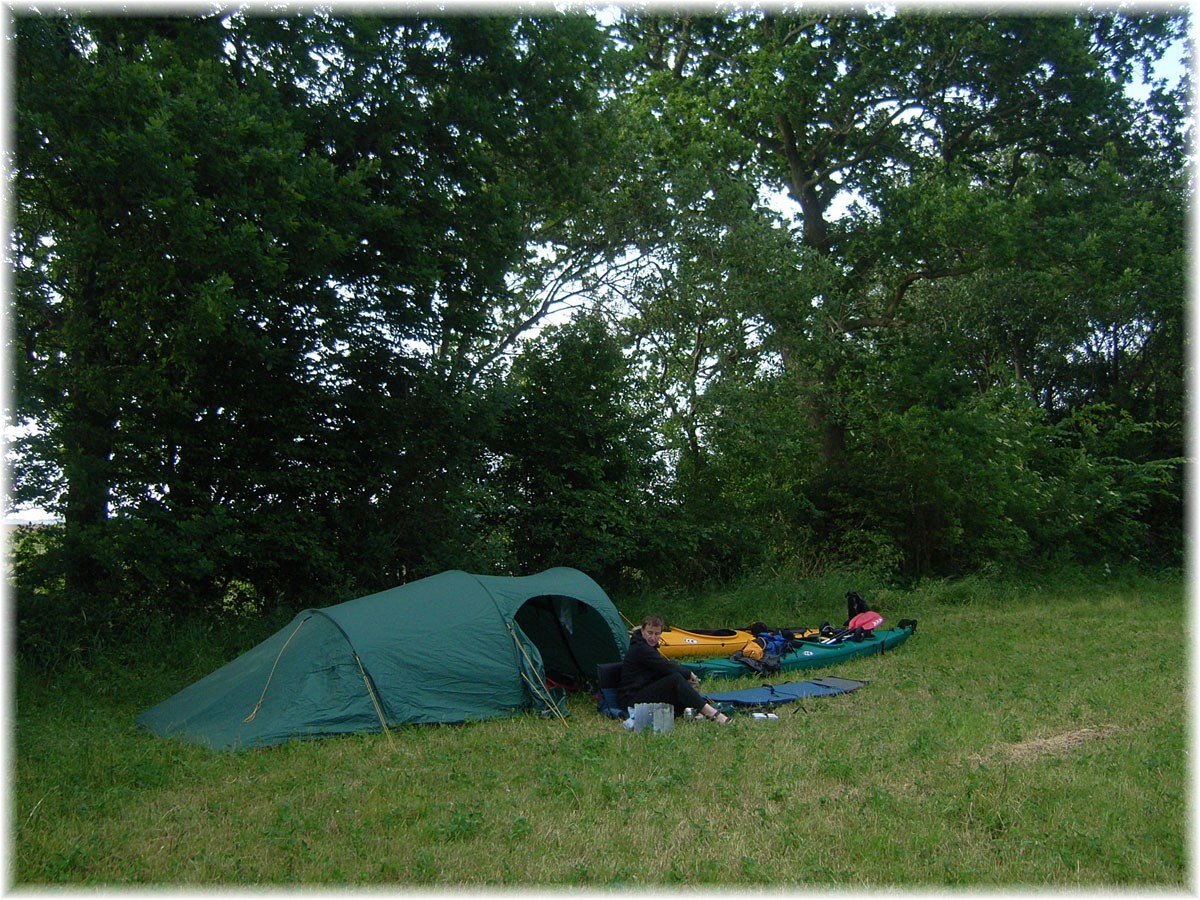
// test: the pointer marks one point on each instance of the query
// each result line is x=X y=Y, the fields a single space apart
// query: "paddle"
x=867 y=621
x=831 y=635
x=854 y=631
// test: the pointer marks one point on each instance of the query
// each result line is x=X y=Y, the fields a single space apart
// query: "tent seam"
x=504 y=619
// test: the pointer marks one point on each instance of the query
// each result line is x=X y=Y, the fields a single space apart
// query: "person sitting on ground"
x=649 y=677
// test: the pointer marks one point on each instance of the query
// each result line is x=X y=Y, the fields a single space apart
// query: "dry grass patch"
x=1055 y=745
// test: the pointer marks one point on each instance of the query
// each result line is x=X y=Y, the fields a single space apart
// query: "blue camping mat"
x=772 y=694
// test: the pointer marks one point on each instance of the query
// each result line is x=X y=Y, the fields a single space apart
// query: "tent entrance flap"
x=543 y=698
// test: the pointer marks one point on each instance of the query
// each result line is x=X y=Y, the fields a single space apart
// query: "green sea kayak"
x=807 y=655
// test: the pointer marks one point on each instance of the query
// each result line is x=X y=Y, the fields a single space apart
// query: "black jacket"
x=643 y=665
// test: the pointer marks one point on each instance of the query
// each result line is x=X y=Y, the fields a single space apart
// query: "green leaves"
x=577 y=462
x=993 y=175
x=847 y=275
x=258 y=259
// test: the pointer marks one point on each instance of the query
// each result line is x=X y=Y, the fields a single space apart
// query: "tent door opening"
x=568 y=634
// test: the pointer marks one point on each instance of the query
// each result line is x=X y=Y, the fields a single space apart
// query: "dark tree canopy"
x=895 y=290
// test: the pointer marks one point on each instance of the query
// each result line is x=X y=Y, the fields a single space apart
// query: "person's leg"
x=673 y=689
x=676 y=690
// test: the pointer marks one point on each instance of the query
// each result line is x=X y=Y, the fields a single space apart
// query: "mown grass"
x=1025 y=736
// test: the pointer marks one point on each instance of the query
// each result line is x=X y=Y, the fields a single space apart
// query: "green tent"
x=447 y=648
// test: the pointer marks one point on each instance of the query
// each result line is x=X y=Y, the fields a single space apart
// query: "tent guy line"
x=274 y=666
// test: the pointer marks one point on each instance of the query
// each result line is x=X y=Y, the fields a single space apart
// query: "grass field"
x=1024 y=736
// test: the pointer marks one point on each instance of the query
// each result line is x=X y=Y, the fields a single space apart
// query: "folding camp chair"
x=608 y=702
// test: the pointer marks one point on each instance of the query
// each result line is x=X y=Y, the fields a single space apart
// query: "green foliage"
x=948 y=487
x=1101 y=495
x=752 y=487
x=273 y=278
x=257 y=267
x=974 y=269
x=577 y=463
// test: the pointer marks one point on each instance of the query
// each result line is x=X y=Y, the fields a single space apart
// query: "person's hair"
x=653 y=619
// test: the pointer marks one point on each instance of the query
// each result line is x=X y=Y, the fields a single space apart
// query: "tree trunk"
x=88 y=436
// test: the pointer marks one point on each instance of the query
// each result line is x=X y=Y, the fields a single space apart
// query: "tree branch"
x=888 y=318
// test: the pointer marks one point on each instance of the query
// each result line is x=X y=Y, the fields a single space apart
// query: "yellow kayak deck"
x=676 y=642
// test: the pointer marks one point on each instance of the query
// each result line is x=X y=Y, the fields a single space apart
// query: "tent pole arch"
x=366 y=678
x=511 y=625
x=353 y=652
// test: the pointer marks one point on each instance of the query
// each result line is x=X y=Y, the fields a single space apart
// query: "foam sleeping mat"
x=774 y=694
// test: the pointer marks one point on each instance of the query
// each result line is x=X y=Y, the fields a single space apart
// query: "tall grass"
x=1028 y=735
